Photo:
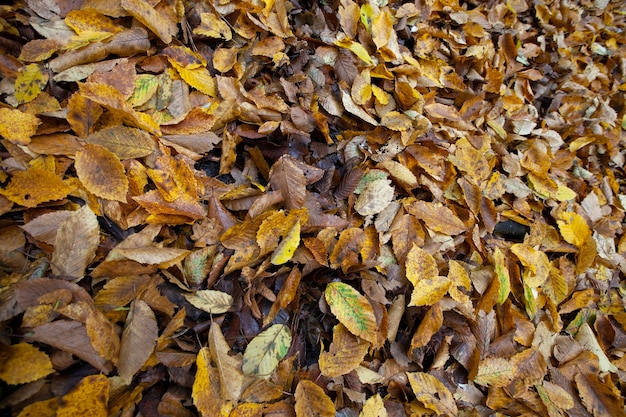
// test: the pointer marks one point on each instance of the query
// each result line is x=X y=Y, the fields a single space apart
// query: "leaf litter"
x=295 y=208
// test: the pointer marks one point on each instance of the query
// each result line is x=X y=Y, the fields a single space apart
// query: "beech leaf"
x=138 y=340
x=265 y=350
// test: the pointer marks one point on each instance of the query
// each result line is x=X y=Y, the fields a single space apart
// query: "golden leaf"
x=573 y=228
x=432 y=393
x=17 y=127
x=101 y=172
x=35 y=186
x=345 y=354
x=89 y=398
x=311 y=400
x=206 y=391
x=29 y=83
x=23 y=363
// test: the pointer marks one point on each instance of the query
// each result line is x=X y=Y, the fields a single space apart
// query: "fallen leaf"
x=265 y=350
x=101 y=172
x=23 y=363
x=75 y=244
x=311 y=400
x=89 y=398
x=138 y=340
x=352 y=310
x=211 y=301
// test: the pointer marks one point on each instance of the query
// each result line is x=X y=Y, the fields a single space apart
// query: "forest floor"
x=289 y=208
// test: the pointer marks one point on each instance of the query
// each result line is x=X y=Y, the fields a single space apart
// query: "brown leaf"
x=138 y=340
x=125 y=142
x=289 y=179
x=598 y=397
x=75 y=245
x=71 y=337
x=437 y=217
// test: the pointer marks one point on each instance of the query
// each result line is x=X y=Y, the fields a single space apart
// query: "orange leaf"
x=101 y=172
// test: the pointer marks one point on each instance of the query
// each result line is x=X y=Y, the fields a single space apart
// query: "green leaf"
x=352 y=310
x=265 y=351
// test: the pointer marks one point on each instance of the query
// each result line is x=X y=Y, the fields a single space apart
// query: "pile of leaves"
x=295 y=208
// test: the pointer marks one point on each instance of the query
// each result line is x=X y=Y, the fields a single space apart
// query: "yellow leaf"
x=361 y=90
x=420 y=265
x=352 y=310
x=35 y=186
x=89 y=398
x=432 y=393
x=198 y=78
x=536 y=264
x=82 y=20
x=382 y=29
x=17 y=127
x=356 y=48
x=213 y=26
x=287 y=246
x=496 y=372
x=23 y=363
x=263 y=353
x=429 y=291
x=573 y=228
x=206 y=393
x=211 y=301
x=29 y=83
x=502 y=275
x=311 y=400
x=374 y=407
